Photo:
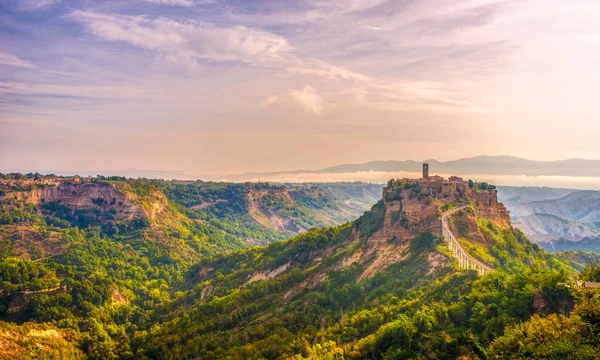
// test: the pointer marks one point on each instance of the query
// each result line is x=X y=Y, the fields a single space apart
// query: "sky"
x=219 y=86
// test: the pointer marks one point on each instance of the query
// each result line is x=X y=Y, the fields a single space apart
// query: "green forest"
x=105 y=281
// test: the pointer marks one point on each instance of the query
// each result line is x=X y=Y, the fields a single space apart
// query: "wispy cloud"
x=33 y=5
x=41 y=89
x=402 y=96
x=184 y=3
x=137 y=30
x=205 y=41
x=348 y=6
x=12 y=60
x=194 y=42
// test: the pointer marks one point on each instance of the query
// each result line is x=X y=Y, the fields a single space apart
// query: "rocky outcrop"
x=408 y=217
x=487 y=206
x=70 y=194
x=126 y=204
x=464 y=225
x=405 y=218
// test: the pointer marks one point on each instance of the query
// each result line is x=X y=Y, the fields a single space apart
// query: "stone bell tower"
x=425 y=171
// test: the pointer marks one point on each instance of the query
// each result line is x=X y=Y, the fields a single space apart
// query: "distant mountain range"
x=558 y=219
x=519 y=195
x=489 y=165
x=587 y=244
x=582 y=206
x=545 y=227
x=496 y=165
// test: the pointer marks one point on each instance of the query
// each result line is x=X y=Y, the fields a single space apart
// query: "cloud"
x=137 y=30
x=12 y=60
x=271 y=100
x=195 y=41
x=309 y=99
x=347 y=6
x=410 y=95
x=21 y=88
x=307 y=11
x=33 y=5
x=200 y=45
x=184 y=3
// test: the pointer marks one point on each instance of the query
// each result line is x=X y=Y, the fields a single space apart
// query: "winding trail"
x=465 y=261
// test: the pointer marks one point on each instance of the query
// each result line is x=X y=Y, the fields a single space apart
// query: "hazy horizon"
x=378 y=177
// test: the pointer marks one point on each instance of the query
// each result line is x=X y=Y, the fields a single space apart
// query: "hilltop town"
x=441 y=188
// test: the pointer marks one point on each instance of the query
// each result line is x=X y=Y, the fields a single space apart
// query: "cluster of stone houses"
x=439 y=187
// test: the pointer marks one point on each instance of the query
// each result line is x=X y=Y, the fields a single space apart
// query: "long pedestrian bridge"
x=465 y=261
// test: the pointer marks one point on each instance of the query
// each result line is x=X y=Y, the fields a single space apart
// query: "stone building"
x=435 y=185
x=439 y=187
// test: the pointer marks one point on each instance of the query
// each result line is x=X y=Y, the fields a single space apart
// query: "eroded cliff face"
x=487 y=206
x=123 y=202
x=256 y=200
x=78 y=195
x=263 y=206
x=408 y=217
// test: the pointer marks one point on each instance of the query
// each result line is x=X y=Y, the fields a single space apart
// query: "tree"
x=110 y=228
x=591 y=272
